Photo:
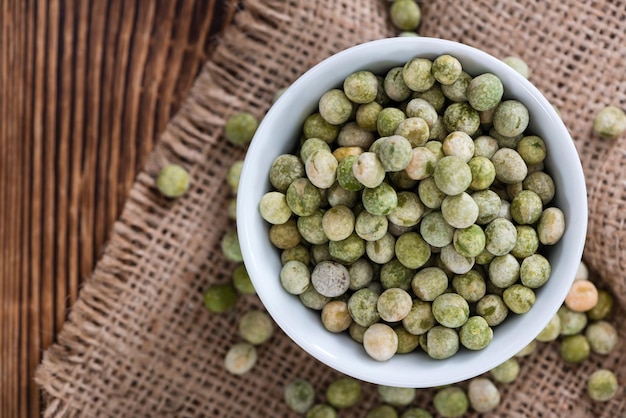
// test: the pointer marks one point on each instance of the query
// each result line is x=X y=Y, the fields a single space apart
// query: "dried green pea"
x=603 y=308
x=509 y=165
x=338 y=223
x=492 y=308
x=401 y=181
x=419 y=319
x=285 y=169
x=220 y=298
x=571 y=322
x=361 y=274
x=240 y=358
x=394 y=85
x=527 y=242
x=551 y=331
x=240 y=128
x=411 y=250
x=242 y=282
x=504 y=270
x=347 y=250
x=455 y=262
x=362 y=306
x=506 y=141
x=441 y=342
x=526 y=207
x=380 y=200
x=519 y=298
x=500 y=236
x=475 y=334
x=394 y=153
x=450 y=310
x=382 y=250
x=532 y=149
x=459 y=144
x=510 y=118
x=542 y=184
x=394 y=304
x=602 y=337
x=530 y=348
x=368 y=170
x=230 y=246
x=446 y=69
x=338 y=196
x=483 y=395
x=330 y=278
x=321 y=169
x=256 y=327
x=316 y=127
x=361 y=87
x=322 y=411
x=417 y=74
x=395 y=274
x=274 y=209
x=380 y=342
x=367 y=115
x=535 y=271
x=451 y=402
x=310 y=228
x=383 y=411
x=483 y=173
x=610 y=122
x=345 y=174
x=371 y=227
x=470 y=241
x=420 y=108
x=602 y=385
x=396 y=396
x=575 y=348
x=335 y=316
x=470 y=286
x=405 y=14
x=312 y=299
x=460 y=211
x=518 y=65
x=429 y=283
x=485 y=146
x=551 y=226
x=429 y=193
x=172 y=181
x=295 y=277
x=435 y=230
x=233 y=175
x=506 y=372
x=299 y=395
x=388 y=121
x=282 y=236
x=457 y=91
x=485 y=91
x=421 y=164
x=356 y=332
x=461 y=117
x=433 y=95
x=307 y=149
x=488 y=203
x=452 y=175
x=334 y=107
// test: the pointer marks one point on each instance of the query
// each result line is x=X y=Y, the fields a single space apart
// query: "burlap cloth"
x=139 y=343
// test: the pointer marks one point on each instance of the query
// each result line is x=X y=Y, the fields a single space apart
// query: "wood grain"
x=85 y=87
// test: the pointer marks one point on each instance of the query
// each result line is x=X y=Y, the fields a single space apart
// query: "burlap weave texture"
x=138 y=342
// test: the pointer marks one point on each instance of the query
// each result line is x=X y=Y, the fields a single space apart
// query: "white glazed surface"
x=279 y=133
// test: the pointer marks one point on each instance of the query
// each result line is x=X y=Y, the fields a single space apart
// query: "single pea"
x=230 y=246
x=388 y=121
x=334 y=107
x=233 y=175
x=602 y=385
x=530 y=348
x=484 y=258
x=382 y=98
x=405 y=14
x=441 y=342
x=571 y=322
x=340 y=153
x=345 y=174
x=422 y=163
x=338 y=196
x=219 y=298
x=461 y=117
x=470 y=286
x=338 y=223
x=396 y=396
x=401 y=181
x=454 y=261
x=452 y=175
x=451 y=402
x=475 y=334
x=505 y=141
x=395 y=153
x=492 y=308
x=519 y=298
x=299 y=395
x=173 y=181
x=380 y=200
x=509 y=166
x=411 y=250
x=273 y=208
x=310 y=228
x=307 y=149
x=370 y=227
x=298 y=253
x=330 y=279
x=438 y=133
x=435 y=230
x=241 y=280
x=382 y=250
x=368 y=170
x=506 y=372
x=256 y=327
x=429 y=193
x=232 y=209
x=488 y=203
x=322 y=411
x=526 y=207
x=535 y=271
x=504 y=270
x=380 y=342
x=395 y=86
x=407 y=342
x=610 y=122
x=285 y=169
x=415 y=130
x=356 y=332
x=486 y=116
x=321 y=169
x=542 y=184
x=335 y=316
x=240 y=358
x=603 y=308
x=500 y=236
x=532 y=149
x=433 y=95
x=460 y=211
x=513 y=189
x=470 y=241
x=510 y=118
x=446 y=69
x=483 y=173
x=316 y=127
x=485 y=91
x=483 y=395
x=450 y=310
x=551 y=226
x=485 y=146
x=457 y=91
x=602 y=337
x=383 y=411
x=295 y=277
x=394 y=304
x=582 y=296
x=347 y=250
x=302 y=198
x=551 y=331
x=575 y=348
x=312 y=299
x=362 y=306
x=420 y=318
x=367 y=115
x=361 y=87
x=361 y=274
x=282 y=236
x=527 y=242
x=436 y=147
x=459 y=144
x=518 y=65
x=416 y=413
x=417 y=74
x=240 y=128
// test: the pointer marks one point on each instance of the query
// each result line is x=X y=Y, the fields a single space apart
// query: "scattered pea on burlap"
x=140 y=343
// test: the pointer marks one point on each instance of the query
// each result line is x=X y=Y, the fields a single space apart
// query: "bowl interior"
x=279 y=133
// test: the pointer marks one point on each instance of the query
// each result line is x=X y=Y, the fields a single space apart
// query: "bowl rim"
x=249 y=176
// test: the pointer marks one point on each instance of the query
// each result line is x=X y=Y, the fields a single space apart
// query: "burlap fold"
x=139 y=343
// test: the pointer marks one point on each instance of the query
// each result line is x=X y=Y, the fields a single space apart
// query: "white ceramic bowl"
x=279 y=133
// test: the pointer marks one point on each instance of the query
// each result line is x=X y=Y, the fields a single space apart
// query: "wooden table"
x=85 y=88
